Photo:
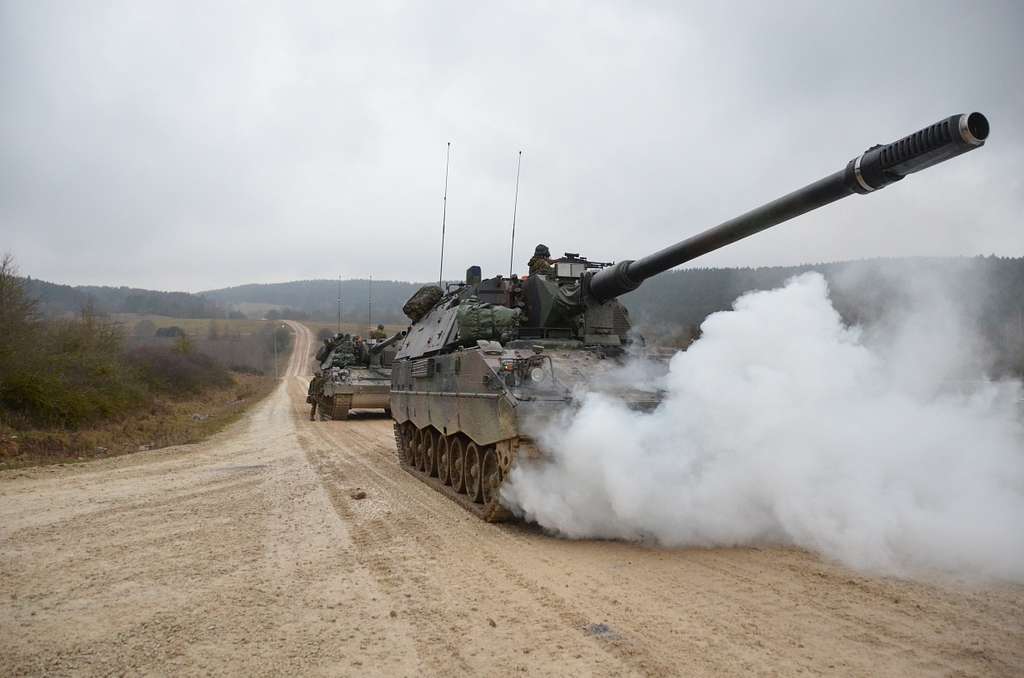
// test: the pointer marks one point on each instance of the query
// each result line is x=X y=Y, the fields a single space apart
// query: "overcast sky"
x=197 y=145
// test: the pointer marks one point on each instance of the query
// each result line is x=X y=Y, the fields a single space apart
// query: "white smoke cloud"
x=783 y=426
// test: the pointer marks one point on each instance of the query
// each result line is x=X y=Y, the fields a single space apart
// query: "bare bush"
x=175 y=372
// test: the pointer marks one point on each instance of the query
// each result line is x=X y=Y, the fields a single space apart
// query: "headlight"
x=538 y=374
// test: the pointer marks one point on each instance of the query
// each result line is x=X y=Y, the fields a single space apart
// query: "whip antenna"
x=444 y=211
x=515 y=207
x=369 y=308
x=339 y=304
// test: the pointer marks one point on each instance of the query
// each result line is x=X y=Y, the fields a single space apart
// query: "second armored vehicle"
x=487 y=362
x=351 y=374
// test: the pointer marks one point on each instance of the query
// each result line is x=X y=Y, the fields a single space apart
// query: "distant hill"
x=994 y=286
x=988 y=290
x=319 y=298
x=57 y=299
x=860 y=290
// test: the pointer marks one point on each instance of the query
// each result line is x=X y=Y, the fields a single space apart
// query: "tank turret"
x=485 y=356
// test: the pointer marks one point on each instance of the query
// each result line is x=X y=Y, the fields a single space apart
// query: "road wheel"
x=421 y=449
x=457 y=451
x=430 y=452
x=408 y=431
x=473 y=465
x=416 y=448
x=444 y=460
x=490 y=475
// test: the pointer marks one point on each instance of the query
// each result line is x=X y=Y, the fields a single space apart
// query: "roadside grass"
x=88 y=386
x=161 y=422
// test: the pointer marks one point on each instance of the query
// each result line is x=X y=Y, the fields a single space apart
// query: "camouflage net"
x=337 y=352
x=480 y=321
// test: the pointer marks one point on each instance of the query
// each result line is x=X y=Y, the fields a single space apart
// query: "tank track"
x=333 y=408
x=419 y=456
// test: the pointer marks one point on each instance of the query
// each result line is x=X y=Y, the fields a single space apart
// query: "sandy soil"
x=247 y=555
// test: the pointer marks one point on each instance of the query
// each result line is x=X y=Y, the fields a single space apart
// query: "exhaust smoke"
x=784 y=426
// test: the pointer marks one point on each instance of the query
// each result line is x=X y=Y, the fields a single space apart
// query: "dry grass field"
x=164 y=421
x=199 y=327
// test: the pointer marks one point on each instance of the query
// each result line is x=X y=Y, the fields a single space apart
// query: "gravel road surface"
x=248 y=555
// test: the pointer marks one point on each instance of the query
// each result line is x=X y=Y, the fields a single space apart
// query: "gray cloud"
x=189 y=146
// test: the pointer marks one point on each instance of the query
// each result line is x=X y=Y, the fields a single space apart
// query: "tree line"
x=55 y=300
x=669 y=308
x=985 y=292
x=381 y=301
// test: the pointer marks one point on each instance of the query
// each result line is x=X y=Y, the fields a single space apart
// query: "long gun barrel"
x=873 y=169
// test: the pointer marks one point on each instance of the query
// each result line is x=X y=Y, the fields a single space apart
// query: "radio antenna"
x=369 y=308
x=515 y=207
x=339 y=304
x=444 y=211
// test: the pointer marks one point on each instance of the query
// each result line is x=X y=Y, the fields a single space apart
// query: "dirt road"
x=248 y=555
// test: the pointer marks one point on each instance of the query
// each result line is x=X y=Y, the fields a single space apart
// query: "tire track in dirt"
x=217 y=559
x=416 y=543
x=445 y=583
x=711 y=611
x=247 y=554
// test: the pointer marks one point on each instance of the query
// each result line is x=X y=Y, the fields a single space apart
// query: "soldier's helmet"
x=542 y=251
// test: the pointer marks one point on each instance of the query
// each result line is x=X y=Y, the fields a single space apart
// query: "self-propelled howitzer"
x=351 y=374
x=487 y=361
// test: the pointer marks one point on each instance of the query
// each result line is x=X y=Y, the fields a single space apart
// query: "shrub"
x=72 y=373
x=144 y=329
x=278 y=338
x=174 y=372
x=183 y=345
x=247 y=369
x=69 y=375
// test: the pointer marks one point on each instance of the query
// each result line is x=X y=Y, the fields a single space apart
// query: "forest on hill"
x=318 y=299
x=55 y=300
x=985 y=291
x=860 y=290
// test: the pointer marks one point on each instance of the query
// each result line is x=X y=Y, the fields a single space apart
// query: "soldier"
x=378 y=333
x=314 y=385
x=359 y=350
x=540 y=262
